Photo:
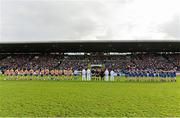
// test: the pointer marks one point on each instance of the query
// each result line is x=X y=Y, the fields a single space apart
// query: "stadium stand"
x=54 y=61
x=57 y=57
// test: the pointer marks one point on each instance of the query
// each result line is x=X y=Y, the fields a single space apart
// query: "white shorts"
x=83 y=77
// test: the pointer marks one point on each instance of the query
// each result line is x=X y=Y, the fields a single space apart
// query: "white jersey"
x=84 y=72
x=83 y=75
x=88 y=72
x=106 y=73
x=88 y=75
x=112 y=73
x=75 y=72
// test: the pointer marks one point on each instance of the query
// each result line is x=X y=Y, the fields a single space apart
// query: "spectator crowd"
x=119 y=63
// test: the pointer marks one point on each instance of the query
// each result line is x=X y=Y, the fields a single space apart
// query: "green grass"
x=76 y=98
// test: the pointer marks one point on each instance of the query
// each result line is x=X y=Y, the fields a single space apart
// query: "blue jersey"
x=152 y=74
x=160 y=74
x=171 y=74
x=130 y=75
x=136 y=74
x=126 y=74
x=168 y=74
x=141 y=74
x=174 y=73
x=164 y=75
x=145 y=74
x=156 y=74
x=133 y=74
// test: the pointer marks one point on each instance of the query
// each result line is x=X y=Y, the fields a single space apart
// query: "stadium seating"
x=78 y=62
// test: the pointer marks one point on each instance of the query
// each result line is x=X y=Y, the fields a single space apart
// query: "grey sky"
x=59 y=20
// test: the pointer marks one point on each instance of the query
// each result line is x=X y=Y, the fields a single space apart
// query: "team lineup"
x=88 y=75
x=89 y=58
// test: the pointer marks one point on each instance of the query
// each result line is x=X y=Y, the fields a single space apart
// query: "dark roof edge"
x=97 y=41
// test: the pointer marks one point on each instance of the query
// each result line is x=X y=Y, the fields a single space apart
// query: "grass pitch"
x=76 y=98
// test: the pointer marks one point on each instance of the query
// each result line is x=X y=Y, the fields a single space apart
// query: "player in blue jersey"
x=149 y=76
x=130 y=76
x=133 y=74
x=141 y=75
x=144 y=75
x=174 y=75
x=156 y=76
x=153 y=77
x=127 y=75
x=171 y=75
x=164 y=76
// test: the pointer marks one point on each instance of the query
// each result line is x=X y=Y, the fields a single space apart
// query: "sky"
x=83 y=20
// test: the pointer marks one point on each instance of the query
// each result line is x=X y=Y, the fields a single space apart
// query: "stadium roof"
x=92 y=46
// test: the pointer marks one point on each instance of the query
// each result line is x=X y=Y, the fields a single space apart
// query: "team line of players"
x=87 y=74
x=37 y=74
x=135 y=75
x=151 y=75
